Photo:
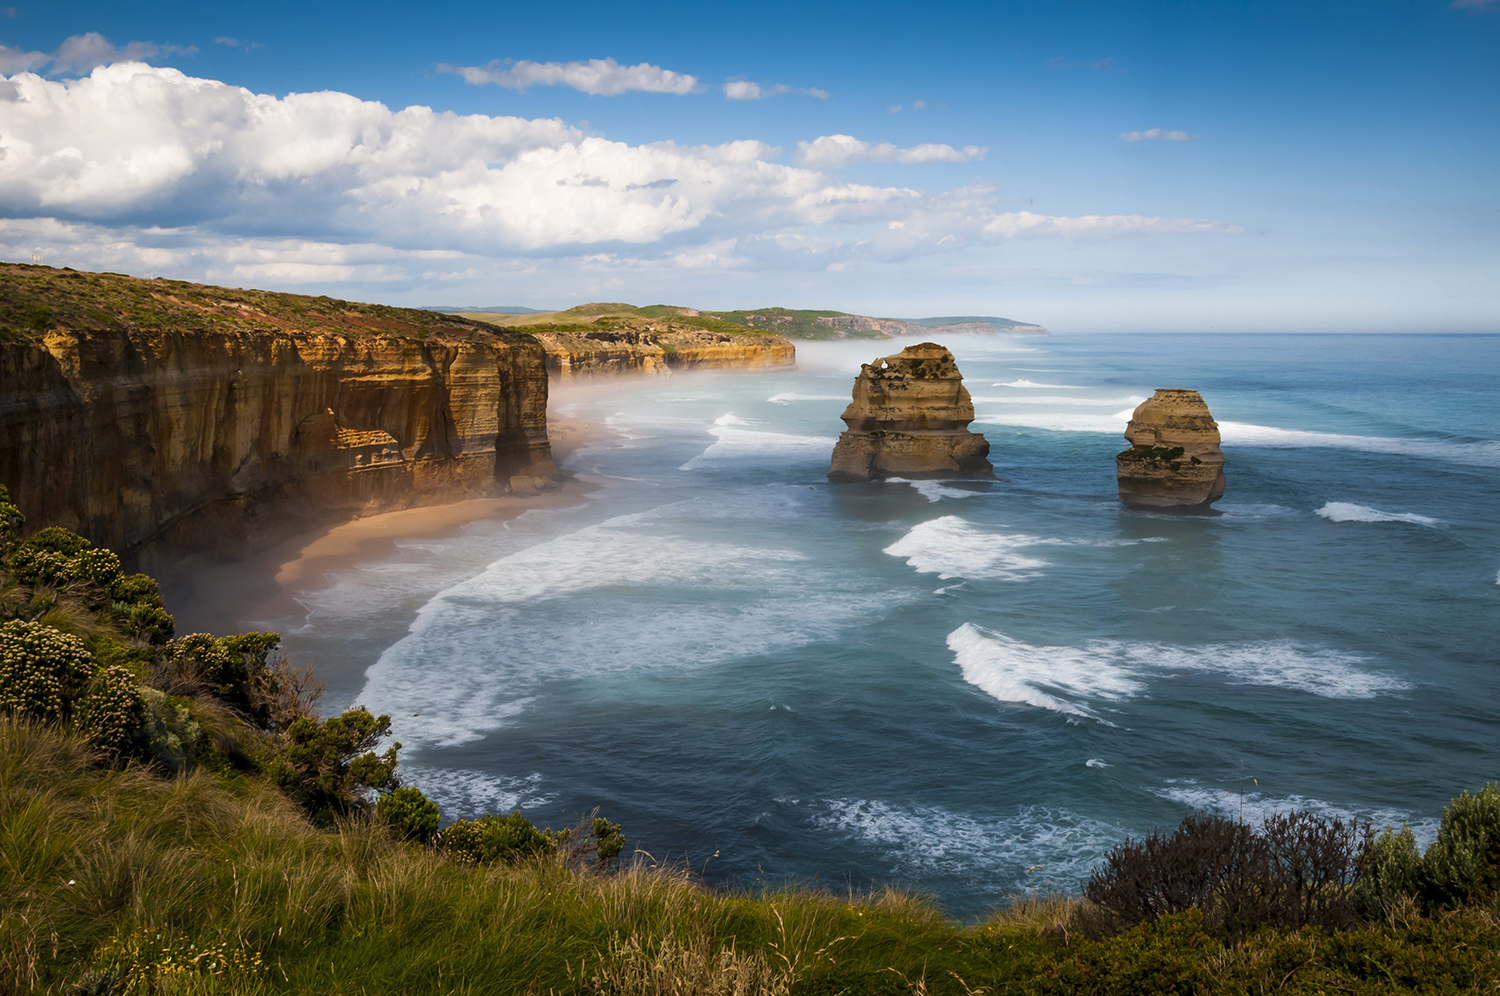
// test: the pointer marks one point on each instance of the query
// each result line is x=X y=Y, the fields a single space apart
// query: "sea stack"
x=910 y=418
x=1174 y=457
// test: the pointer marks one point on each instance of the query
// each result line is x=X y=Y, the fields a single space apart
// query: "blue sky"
x=1088 y=166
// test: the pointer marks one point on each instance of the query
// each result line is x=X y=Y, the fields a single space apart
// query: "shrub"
x=42 y=671
x=1463 y=863
x=109 y=713
x=11 y=520
x=1390 y=871
x=150 y=623
x=200 y=660
x=494 y=838
x=1300 y=870
x=96 y=568
x=409 y=814
x=328 y=766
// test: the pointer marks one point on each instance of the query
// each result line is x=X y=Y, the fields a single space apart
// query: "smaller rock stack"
x=910 y=418
x=1174 y=459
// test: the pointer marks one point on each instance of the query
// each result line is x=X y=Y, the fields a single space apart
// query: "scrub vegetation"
x=177 y=818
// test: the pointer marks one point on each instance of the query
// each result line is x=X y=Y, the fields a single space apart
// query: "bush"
x=42 y=672
x=98 y=569
x=109 y=713
x=408 y=814
x=328 y=767
x=495 y=838
x=1300 y=870
x=1463 y=863
x=1390 y=871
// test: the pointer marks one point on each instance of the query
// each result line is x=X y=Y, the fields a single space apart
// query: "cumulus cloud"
x=142 y=168
x=746 y=90
x=835 y=151
x=1157 y=134
x=239 y=43
x=598 y=77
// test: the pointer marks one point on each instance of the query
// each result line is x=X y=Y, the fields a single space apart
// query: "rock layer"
x=130 y=435
x=1174 y=458
x=573 y=355
x=910 y=418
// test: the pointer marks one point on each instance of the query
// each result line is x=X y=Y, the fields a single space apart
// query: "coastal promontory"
x=910 y=418
x=1174 y=457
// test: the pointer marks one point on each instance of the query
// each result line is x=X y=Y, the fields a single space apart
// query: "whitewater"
x=971 y=688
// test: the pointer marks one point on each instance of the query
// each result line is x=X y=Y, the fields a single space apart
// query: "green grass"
x=108 y=871
x=35 y=300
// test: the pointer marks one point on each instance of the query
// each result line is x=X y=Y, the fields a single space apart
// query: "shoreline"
x=258 y=590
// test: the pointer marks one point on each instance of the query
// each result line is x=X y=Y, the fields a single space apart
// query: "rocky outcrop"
x=910 y=418
x=136 y=410
x=1174 y=457
x=611 y=351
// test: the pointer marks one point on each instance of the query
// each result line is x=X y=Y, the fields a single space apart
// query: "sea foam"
x=933 y=490
x=787 y=397
x=1036 y=846
x=950 y=548
x=1343 y=511
x=1023 y=383
x=1076 y=680
x=738 y=442
x=1255 y=807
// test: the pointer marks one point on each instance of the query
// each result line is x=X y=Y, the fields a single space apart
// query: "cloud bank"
x=137 y=167
x=599 y=77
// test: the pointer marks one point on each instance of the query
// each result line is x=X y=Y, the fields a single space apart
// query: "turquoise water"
x=974 y=689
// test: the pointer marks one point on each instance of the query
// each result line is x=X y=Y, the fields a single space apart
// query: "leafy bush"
x=1300 y=870
x=409 y=814
x=109 y=713
x=42 y=672
x=495 y=838
x=329 y=766
x=1463 y=863
x=1390 y=871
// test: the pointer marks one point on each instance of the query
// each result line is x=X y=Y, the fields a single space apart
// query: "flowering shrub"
x=42 y=671
x=494 y=838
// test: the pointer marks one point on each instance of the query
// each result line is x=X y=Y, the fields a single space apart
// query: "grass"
x=203 y=883
x=34 y=300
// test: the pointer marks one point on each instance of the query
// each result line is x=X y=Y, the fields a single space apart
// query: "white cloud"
x=835 y=151
x=599 y=77
x=81 y=53
x=746 y=90
x=919 y=105
x=148 y=170
x=1157 y=133
x=15 y=60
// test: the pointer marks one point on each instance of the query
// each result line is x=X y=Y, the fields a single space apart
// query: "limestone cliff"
x=1174 y=457
x=605 y=339
x=910 y=418
x=135 y=409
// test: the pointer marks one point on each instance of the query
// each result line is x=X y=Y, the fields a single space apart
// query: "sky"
x=1088 y=166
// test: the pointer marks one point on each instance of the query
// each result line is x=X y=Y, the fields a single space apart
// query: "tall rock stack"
x=1174 y=457
x=910 y=418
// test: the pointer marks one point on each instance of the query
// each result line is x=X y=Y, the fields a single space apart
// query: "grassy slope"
x=35 y=299
x=102 y=866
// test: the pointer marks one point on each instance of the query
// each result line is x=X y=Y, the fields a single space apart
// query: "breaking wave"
x=951 y=548
x=787 y=397
x=1023 y=383
x=1074 y=681
x=1255 y=807
x=738 y=443
x=1343 y=511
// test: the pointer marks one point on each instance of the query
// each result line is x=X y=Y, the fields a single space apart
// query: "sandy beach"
x=240 y=594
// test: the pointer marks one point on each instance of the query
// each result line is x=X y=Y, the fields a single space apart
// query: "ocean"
x=972 y=689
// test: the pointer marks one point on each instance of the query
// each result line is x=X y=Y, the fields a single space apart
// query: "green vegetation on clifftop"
x=35 y=300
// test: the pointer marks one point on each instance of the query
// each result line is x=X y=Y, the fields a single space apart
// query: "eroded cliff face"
x=130 y=435
x=607 y=352
x=910 y=418
x=1174 y=457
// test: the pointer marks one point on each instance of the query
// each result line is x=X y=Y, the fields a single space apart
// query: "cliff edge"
x=134 y=409
x=910 y=418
